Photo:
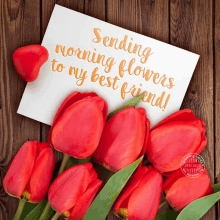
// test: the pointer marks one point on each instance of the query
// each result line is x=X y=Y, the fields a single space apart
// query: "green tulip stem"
x=56 y=216
x=64 y=163
x=163 y=203
x=19 y=210
x=45 y=211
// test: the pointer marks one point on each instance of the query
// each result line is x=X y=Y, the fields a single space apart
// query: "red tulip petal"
x=42 y=146
x=92 y=172
x=169 y=143
x=88 y=165
x=67 y=188
x=182 y=115
x=203 y=142
x=41 y=176
x=72 y=98
x=147 y=135
x=171 y=178
x=93 y=175
x=81 y=207
x=130 y=186
x=185 y=190
x=145 y=199
x=122 y=139
x=20 y=169
x=78 y=130
x=210 y=190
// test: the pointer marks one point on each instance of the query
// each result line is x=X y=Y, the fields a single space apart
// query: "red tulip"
x=124 y=139
x=28 y=61
x=73 y=191
x=30 y=172
x=173 y=138
x=181 y=190
x=140 y=198
x=78 y=124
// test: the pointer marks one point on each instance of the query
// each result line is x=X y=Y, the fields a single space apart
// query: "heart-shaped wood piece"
x=28 y=61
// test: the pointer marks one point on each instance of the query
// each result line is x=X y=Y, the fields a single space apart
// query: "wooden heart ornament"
x=28 y=61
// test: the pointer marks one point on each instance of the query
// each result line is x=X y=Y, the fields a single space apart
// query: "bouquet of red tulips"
x=80 y=130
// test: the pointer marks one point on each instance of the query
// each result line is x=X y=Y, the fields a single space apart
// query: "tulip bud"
x=78 y=124
x=124 y=139
x=30 y=172
x=140 y=198
x=181 y=190
x=173 y=138
x=73 y=191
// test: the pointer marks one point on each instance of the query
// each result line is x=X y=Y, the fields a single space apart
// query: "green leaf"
x=102 y=204
x=133 y=102
x=27 y=208
x=73 y=161
x=169 y=214
x=198 y=208
x=37 y=211
x=216 y=187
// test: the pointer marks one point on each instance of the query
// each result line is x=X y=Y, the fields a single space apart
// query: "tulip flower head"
x=78 y=124
x=180 y=190
x=124 y=139
x=173 y=138
x=73 y=191
x=30 y=172
x=140 y=198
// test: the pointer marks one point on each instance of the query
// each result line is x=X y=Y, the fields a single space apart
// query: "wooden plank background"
x=193 y=25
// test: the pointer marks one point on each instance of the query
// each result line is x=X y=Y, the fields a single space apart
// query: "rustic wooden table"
x=190 y=24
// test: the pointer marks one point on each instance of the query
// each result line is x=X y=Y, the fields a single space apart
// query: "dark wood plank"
x=20 y=26
x=77 y=5
x=217 y=94
x=191 y=29
x=95 y=8
x=46 y=11
x=150 y=18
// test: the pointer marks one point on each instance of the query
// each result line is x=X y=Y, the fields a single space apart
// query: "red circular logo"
x=192 y=165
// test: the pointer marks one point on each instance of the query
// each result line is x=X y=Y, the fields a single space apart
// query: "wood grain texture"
x=95 y=8
x=191 y=28
x=217 y=92
x=19 y=27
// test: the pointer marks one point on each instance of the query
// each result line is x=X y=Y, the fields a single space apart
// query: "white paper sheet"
x=77 y=41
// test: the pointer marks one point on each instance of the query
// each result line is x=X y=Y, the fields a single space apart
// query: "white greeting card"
x=86 y=54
